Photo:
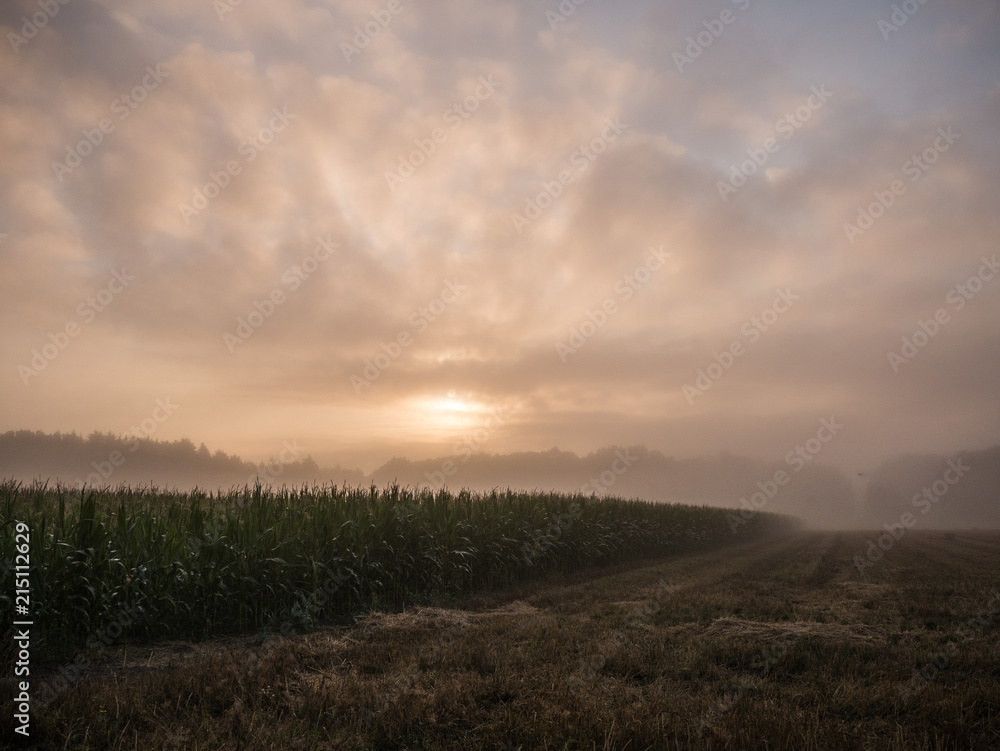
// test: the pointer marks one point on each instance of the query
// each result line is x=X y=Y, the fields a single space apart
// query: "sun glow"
x=448 y=414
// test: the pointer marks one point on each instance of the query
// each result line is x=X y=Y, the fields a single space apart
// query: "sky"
x=381 y=229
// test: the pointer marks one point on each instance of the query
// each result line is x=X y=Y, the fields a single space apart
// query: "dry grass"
x=770 y=645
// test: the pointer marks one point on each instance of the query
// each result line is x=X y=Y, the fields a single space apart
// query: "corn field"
x=171 y=565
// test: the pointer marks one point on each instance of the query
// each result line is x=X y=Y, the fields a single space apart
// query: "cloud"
x=349 y=123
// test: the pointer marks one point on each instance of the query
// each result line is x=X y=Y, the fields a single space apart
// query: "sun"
x=447 y=414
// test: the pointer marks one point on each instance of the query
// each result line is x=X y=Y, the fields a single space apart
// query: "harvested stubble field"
x=775 y=643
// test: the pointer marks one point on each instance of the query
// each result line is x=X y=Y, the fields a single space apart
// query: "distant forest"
x=108 y=459
x=959 y=491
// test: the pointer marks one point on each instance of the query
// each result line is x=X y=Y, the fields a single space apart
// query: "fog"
x=939 y=492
